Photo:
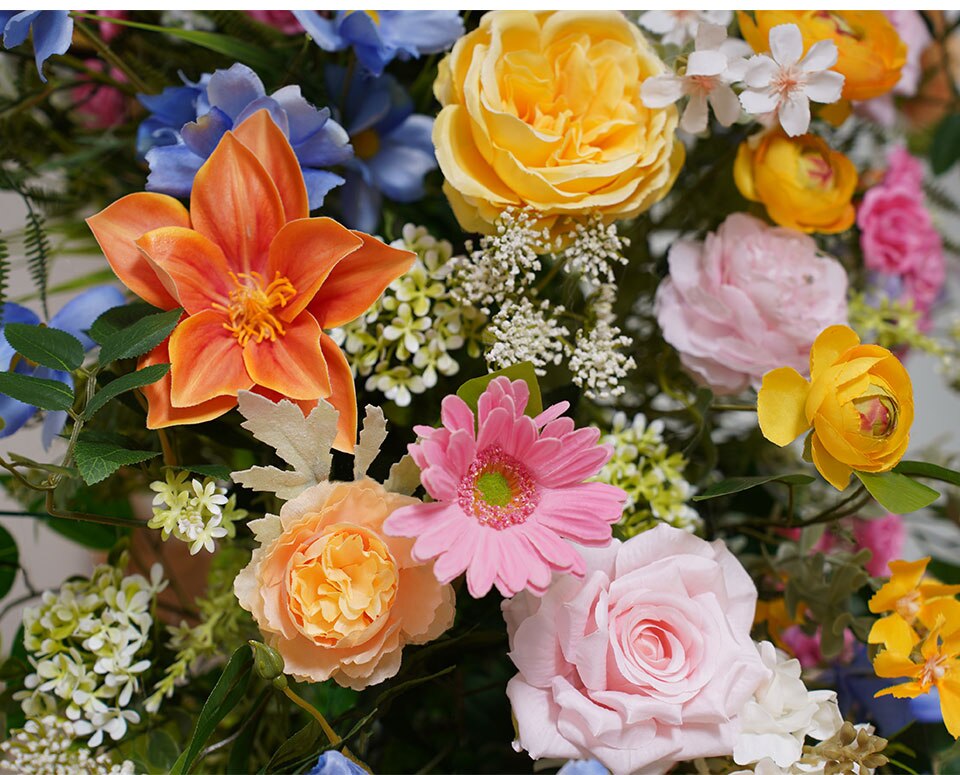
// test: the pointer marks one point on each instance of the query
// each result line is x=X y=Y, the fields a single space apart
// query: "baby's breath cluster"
x=594 y=251
x=524 y=331
x=598 y=362
x=48 y=746
x=410 y=335
x=192 y=511
x=89 y=644
x=651 y=476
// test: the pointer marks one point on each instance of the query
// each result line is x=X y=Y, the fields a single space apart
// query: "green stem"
x=734 y=407
x=332 y=736
x=80 y=516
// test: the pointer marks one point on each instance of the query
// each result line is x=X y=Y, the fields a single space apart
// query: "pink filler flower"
x=506 y=492
x=284 y=21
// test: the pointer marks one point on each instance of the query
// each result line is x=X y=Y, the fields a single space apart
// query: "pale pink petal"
x=536 y=716
x=456 y=415
x=695 y=115
x=561 y=556
x=455 y=560
x=726 y=106
x=494 y=427
x=759 y=102
x=824 y=87
x=661 y=90
x=551 y=413
x=794 y=114
x=786 y=44
x=821 y=56
x=710 y=36
x=483 y=568
x=583 y=513
x=760 y=71
x=706 y=63
x=447 y=528
x=558 y=427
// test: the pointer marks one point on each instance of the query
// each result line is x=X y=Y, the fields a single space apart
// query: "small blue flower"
x=583 y=767
x=52 y=33
x=335 y=763
x=76 y=316
x=188 y=121
x=378 y=37
x=393 y=149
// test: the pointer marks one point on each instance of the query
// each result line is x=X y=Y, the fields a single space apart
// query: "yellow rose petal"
x=780 y=405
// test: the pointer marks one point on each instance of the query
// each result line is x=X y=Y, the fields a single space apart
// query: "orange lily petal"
x=117 y=228
x=206 y=361
x=196 y=266
x=163 y=414
x=262 y=136
x=343 y=394
x=292 y=364
x=235 y=204
x=305 y=252
x=358 y=280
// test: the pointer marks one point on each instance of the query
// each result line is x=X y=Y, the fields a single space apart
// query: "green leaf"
x=118 y=318
x=928 y=471
x=162 y=751
x=135 y=379
x=9 y=561
x=471 y=390
x=229 y=689
x=139 y=337
x=97 y=459
x=305 y=741
x=897 y=493
x=46 y=346
x=221 y=473
x=36 y=391
x=741 y=483
x=945 y=149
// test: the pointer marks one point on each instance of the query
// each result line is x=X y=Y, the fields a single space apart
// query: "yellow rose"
x=859 y=402
x=870 y=52
x=542 y=110
x=333 y=594
x=803 y=183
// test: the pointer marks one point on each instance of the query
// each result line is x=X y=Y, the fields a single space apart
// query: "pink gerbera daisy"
x=507 y=490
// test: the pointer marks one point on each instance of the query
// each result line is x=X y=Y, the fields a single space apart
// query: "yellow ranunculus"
x=542 y=110
x=859 y=402
x=870 y=52
x=803 y=183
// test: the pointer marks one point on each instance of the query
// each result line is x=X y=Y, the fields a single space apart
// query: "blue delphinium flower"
x=52 y=33
x=76 y=316
x=378 y=37
x=176 y=148
x=392 y=147
x=335 y=763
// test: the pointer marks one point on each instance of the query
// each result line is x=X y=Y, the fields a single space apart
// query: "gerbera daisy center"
x=252 y=304
x=498 y=489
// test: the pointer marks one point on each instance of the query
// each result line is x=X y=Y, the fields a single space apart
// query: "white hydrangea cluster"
x=524 y=331
x=409 y=336
x=595 y=251
x=88 y=644
x=47 y=746
x=195 y=512
x=598 y=361
x=643 y=466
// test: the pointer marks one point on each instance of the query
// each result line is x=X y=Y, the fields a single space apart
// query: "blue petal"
x=335 y=763
x=926 y=708
x=14 y=414
x=319 y=183
x=327 y=146
x=78 y=314
x=52 y=34
x=364 y=33
x=421 y=32
x=398 y=171
x=360 y=203
x=13 y=313
x=233 y=89
x=304 y=119
x=415 y=132
x=17 y=28
x=368 y=99
x=6 y=16
x=203 y=135
x=172 y=170
x=322 y=30
x=277 y=113
x=53 y=423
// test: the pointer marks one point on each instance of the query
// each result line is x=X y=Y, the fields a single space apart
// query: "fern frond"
x=939 y=197
x=4 y=274
x=37 y=248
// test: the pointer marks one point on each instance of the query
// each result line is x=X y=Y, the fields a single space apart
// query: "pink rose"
x=98 y=105
x=747 y=300
x=913 y=31
x=644 y=662
x=284 y=21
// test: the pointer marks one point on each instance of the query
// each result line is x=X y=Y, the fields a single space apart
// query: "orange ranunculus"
x=258 y=280
x=870 y=52
x=803 y=183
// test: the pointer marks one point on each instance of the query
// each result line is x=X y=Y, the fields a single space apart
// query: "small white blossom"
x=715 y=63
x=594 y=251
x=597 y=361
x=192 y=511
x=680 y=27
x=784 y=83
x=524 y=332
x=45 y=747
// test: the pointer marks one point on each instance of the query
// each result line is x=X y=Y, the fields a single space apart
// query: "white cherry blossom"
x=680 y=27
x=784 y=84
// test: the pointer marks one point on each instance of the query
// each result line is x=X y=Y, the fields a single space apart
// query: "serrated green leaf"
x=36 y=391
x=945 y=149
x=46 y=346
x=9 y=561
x=118 y=318
x=96 y=460
x=139 y=337
x=741 y=483
x=135 y=379
x=471 y=390
x=897 y=493
x=927 y=471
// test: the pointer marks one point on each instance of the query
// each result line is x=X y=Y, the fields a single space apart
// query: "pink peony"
x=284 y=21
x=644 y=663
x=98 y=105
x=748 y=299
x=507 y=491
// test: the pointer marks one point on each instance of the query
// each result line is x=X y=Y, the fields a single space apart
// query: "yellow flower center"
x=878 y=415
x=815 y=170
x=251 y=306
x=341 y=584
x=908 y=606
x=366 y=144
x=933 y=670
x=498 y=490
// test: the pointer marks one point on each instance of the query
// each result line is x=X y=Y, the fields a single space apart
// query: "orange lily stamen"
x=251 y=305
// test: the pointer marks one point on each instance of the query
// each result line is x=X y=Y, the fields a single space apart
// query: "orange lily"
x=258 y=280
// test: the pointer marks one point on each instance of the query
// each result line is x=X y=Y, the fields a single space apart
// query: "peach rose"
x=333 y=594
x=542 y=110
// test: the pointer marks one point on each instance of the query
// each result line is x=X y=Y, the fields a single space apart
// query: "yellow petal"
x=828 y=346
x=904 y=577
x=780 y=404
x=835 y=472
x=903 y=691
x=887 y=664
x=950 y=704
x=894 y=633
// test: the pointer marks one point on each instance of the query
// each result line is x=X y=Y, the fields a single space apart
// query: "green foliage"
x=741 y=483
x=46 y=346
x=4 y=273
x=36 y=245
x=137 y=338
x=897 y=493
x=9 y=561
x=946 y=144
x=471 y=390
x=99 y=454
x=135 y=379
x=36 y=391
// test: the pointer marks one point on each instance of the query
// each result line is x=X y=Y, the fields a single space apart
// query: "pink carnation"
x=284 y=21
x=508 y=488
x=98 y=105
x=747 y=300
x=645 y=662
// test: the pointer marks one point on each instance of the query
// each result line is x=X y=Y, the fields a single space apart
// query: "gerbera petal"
x=305 y=252
x=206 y=361
x=458 y=557
x=293 y=363
x=357 y=281
x=485 y=563
x=343 y=393
x=236 y=205
x=786 y=44
x=195 y=266
x=262 y=136
x=494 y=427
x=117 y=228
x=456 y=415
x=162 y=413
x=582 y=513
